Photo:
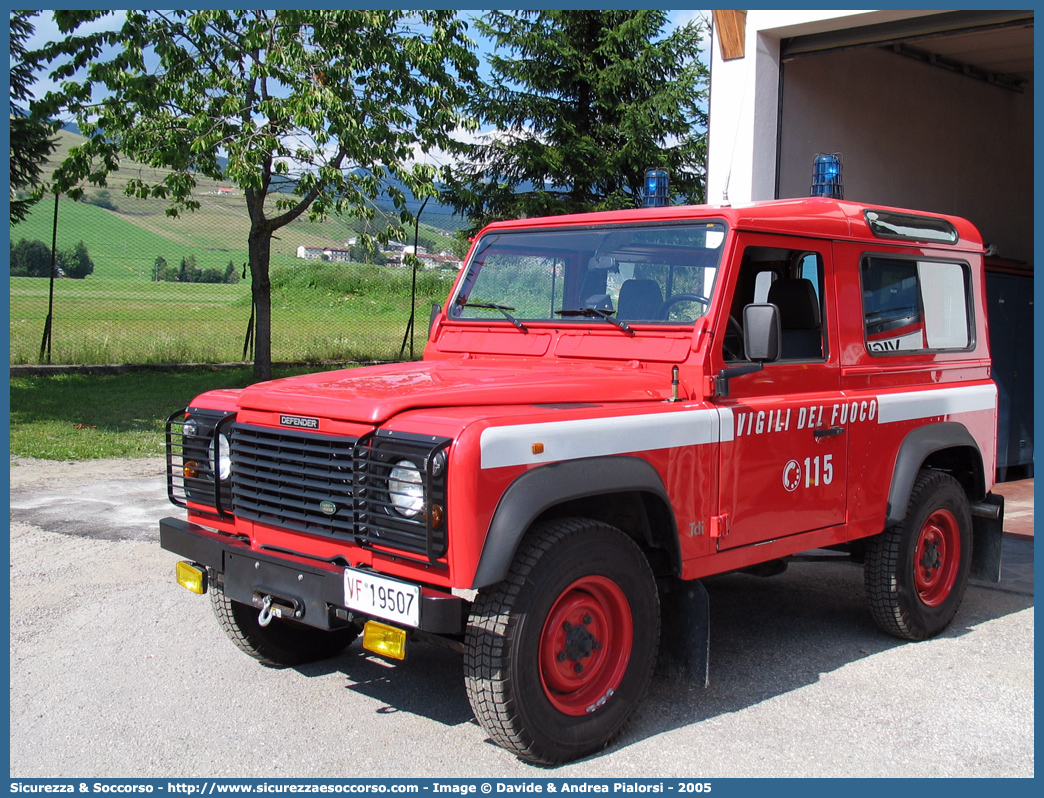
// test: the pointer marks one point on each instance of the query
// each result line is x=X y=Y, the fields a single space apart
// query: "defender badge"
x=302 y=422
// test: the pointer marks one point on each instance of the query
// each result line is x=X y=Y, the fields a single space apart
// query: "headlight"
x=223 y=466
x=190 y=429
x=406 y=489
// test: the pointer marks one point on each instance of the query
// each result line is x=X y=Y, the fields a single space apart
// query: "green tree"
x=30 y=259
x=188 y=271
x=76 y=262
x=211 y=275
x=311 y=109
x=583 y=103
x=160 y=270
x=31 y=140
x=231 y=275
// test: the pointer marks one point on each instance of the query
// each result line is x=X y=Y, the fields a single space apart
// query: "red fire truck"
x=610 y=407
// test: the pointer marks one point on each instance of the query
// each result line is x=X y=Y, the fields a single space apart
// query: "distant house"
x=337 y=255
x=331 y=254
x=310 y=253
x=443 y=260
x=227 y=192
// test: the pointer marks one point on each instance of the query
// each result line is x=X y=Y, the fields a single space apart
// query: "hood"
x=374 y=394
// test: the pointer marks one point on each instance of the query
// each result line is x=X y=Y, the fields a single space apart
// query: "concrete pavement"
x=116 y=671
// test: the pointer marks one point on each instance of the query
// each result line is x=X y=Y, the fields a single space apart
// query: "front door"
x=784 y=469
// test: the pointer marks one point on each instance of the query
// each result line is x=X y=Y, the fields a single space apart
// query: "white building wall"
x=911 y=135
x=914 y=136
x=744 y=98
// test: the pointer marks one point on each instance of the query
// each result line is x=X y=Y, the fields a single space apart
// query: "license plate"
x=382 y=597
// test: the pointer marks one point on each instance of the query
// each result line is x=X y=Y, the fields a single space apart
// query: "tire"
x=558 y=655
x=280 y=644
x=917 y=570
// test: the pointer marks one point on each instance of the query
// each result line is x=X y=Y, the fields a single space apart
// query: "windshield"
x=656 y=274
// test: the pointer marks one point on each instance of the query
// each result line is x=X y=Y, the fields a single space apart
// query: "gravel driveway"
x=118 y=672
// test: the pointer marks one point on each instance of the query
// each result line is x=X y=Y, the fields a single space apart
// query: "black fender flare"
x=915 y=449
x=541 y=488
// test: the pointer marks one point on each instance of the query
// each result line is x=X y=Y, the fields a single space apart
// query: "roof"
x=818 y=216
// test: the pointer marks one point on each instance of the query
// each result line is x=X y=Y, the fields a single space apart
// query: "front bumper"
x=314 y=589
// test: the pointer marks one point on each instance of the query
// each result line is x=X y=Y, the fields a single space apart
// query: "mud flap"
x=987 y=538
x=685 y=631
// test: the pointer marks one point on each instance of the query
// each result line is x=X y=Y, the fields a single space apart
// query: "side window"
x=810 y=270
x=791 y=279
x=911 y=306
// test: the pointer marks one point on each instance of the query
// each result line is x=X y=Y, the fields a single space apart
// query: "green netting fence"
x=133 y=285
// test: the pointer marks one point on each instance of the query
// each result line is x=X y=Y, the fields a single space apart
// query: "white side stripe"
x=941 y=402
x=728 y=424
x=597 y=437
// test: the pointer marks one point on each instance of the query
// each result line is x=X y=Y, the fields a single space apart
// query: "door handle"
x=830 y=432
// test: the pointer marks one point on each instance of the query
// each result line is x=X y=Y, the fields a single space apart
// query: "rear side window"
x=912 y=306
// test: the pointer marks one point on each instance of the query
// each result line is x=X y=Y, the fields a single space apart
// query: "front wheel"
x=917 y=570
x=559 y=654
x=282 y=642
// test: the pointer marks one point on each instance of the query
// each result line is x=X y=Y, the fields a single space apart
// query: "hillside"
x=141 y=228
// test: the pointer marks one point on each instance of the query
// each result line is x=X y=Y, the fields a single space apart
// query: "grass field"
x=85 y=417
x=320 y=312
x=125 y=247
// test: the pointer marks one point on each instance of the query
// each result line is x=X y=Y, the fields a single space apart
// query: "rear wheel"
x=917 y=570
x=282 y=642
x=558 y=655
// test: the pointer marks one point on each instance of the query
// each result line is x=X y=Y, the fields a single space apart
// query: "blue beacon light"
x=656 y=195
x=826 y=176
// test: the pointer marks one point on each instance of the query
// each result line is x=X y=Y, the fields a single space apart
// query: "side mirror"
x=762 y=335
x=436 y=309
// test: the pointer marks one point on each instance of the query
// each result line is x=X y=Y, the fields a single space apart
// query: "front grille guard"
x=191 y=474
x=379 y=526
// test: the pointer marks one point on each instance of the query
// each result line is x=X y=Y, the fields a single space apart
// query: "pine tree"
x=77 y=263
x=583 y=103
x=31 y=140
x=160 y=269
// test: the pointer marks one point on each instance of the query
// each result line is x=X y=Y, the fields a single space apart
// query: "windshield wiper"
x=502 y=308
x=596 y=313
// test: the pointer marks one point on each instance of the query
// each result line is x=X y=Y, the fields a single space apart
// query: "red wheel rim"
x=937 y=557
x=585 y=645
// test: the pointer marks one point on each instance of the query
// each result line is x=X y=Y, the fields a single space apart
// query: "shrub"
x=30 y=259
x=101 y=200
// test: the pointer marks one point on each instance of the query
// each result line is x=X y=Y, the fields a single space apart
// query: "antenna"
x=735 y=137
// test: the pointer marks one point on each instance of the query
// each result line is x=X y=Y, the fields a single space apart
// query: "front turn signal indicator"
x=385 y=640
x=437 y=516
x=192 y=577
